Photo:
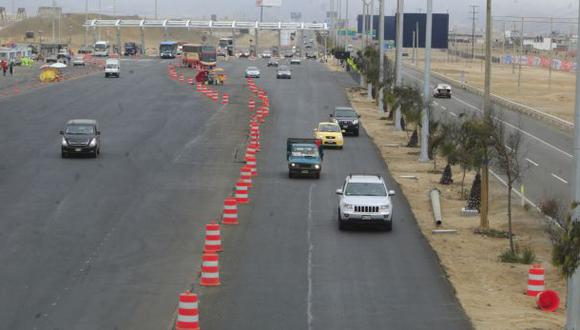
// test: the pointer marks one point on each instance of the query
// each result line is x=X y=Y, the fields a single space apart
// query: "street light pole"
x=573 y=296
x=381 y=56
x=399 y=57
x=424 y=156
x=86 y=19
x=484 y=221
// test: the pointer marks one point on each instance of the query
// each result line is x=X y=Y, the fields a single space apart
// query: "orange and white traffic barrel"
x=242 y=192
x=536 y=282
x=252 y=163
x=210 y=274
x=230 y=215
x=225 y=98
x=251 y=104
x=187 y=313
x=246 y=175
x=213 y=240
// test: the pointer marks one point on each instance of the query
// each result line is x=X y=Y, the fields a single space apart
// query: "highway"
x=546 y=150
x=109 y=243
x=289 y=267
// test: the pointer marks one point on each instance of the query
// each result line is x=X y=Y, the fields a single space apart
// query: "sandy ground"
x=491 y=292
x=534 y=89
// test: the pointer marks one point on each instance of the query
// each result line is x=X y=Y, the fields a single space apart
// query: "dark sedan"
x=81 y=137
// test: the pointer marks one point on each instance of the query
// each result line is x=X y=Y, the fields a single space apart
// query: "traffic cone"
x=246 y=175
x=242 y=192
x=210 y=275
x=251 y=104
x=187 y=313
x=251 y=162
x=535 y=280
x=213 y=241
x=230 y=215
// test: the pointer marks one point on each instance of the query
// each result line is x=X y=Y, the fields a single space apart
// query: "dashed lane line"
x=559 y=178
x=532 y=162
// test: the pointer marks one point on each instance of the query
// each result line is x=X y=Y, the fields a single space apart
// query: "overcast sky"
x=310 y=9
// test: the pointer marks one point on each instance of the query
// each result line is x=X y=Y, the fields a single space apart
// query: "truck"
x=227 y=45
x=131 y=49
x=101 y=48
x=168 y=49
x=304 y=157
x=112 y=67
x=191 y=54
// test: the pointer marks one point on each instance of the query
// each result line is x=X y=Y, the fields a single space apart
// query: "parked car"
x=81 y=137
x=364 y=200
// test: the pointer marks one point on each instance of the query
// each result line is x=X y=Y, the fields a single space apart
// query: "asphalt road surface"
x=109 y=243
x=547 y=151
x=287 y=266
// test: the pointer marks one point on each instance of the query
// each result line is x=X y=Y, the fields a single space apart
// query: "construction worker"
x=11 y=67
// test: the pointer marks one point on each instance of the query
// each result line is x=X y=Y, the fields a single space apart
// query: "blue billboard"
x=412 y=23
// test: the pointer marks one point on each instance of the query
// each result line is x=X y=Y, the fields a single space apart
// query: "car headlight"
x=317 y=166
x=355 y=121
x=93 y=142
x=63 y=142
x=348 y=207
x=293 y=164
x=385 y=208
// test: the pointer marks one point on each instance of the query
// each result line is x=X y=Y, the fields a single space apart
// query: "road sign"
x=268 y=3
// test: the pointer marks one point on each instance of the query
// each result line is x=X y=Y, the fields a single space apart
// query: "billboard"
x=268 y=3
x=439 y=37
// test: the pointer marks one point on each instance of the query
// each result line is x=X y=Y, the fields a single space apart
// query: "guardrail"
x=191 y=24
x=512 y=105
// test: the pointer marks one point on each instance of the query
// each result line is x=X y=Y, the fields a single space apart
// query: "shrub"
x=550 y=207
x=526 y=257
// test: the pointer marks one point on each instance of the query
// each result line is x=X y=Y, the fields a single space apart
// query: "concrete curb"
x=521 y=108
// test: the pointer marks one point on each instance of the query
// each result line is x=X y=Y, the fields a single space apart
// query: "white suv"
x=365 y=200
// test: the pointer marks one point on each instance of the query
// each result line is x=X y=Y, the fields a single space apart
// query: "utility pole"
x=573 y=296
x=551 y=54
x=381 y=55
x=156 y=12
x=474 y=12
x=484 y=221
x=364 y=32
x=424 y=156
x=521 y=54
x=86 y=19
x=399 y=57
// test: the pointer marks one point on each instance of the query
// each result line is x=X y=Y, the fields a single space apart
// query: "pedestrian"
x=11 y=67
x=4 y=67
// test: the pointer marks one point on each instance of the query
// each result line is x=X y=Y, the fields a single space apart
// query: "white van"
x=112 y=67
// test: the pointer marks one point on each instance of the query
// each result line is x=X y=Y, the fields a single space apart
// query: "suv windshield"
x=80 y=129
x=345 y=113
x=365 y=189
x=283 y=68
x=252 y=68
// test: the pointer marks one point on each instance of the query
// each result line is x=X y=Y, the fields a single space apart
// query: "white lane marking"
x=435 y=102
x=310 y=249
x=444 y=108
x=559 y=178
x=508 y=147
x=532 y=162
x=453 y=114
x=507 y=124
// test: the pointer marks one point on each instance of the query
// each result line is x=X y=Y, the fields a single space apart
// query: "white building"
x=540 y=43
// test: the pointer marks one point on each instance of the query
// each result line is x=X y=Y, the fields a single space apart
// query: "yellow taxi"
x=330 y=134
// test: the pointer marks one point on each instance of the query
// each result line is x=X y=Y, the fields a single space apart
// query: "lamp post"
x=399 y=58
x=424 y=156
x=381 y=56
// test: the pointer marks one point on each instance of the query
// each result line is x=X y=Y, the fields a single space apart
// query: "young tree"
x=410 y=101
x=507 y=154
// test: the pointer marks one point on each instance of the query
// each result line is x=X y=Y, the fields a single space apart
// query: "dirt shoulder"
x=491 y=292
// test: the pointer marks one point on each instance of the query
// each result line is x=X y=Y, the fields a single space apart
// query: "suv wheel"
x=388 y=227
x=355 y=132
x=341 y=224
x=63 y=154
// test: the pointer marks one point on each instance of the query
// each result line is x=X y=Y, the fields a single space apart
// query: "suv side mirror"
x=61 y=133
x=358 y=116
x=339 y=191
x=330 y=115
x=392 y=193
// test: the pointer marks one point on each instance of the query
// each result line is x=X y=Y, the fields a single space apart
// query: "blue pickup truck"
x=304 y=157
